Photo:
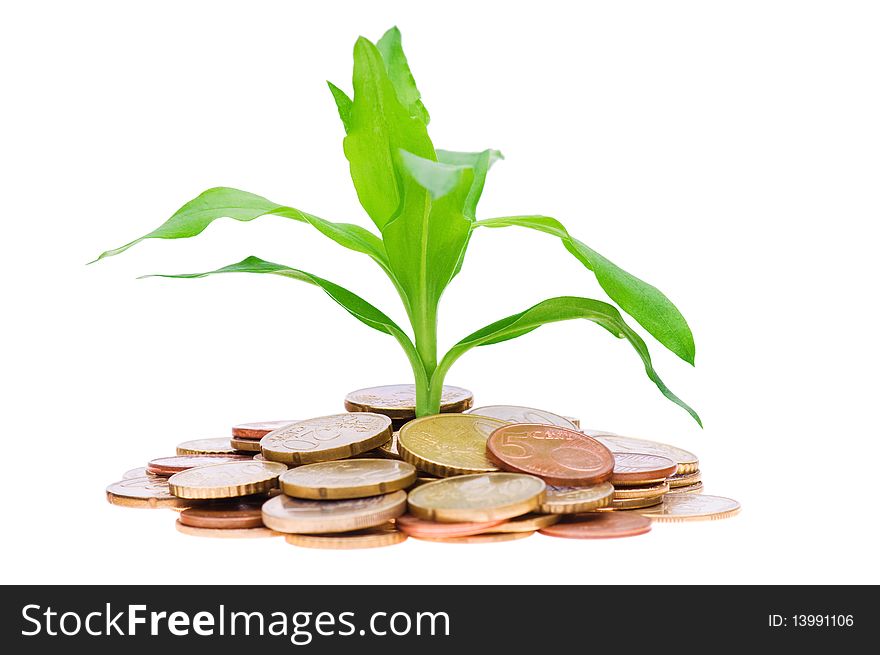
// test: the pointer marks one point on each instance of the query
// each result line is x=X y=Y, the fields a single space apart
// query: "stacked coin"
x=376 y=475
x=398 y=401
x=687 y=476
x=246 y=436
x=349 y=503
x=639 y=480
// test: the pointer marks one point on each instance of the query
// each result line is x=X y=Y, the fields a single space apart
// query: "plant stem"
x=435 y=391
x=425 y=330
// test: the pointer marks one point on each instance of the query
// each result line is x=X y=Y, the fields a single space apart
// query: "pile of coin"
x=376 y=475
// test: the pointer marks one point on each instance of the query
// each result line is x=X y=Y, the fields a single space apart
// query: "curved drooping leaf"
x=644 y=302
x=400 y=75
x=561 y=309
x=343 y=105
x=351 y=302
x=435 y=177
x=481 y=162
x=380 y=126
x=192 y=219
x=426 y=239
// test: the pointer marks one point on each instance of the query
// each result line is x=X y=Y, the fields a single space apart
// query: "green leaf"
x=645 y=303
x=560 y=309
x=343 y=105
x=351 y=302
x=437 y=178
x=192 y=219
x=481 y=162
x=426 y=239
x=401 y=77
x=380 y=127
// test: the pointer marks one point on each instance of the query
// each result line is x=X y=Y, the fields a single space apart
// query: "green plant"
x=423 y=202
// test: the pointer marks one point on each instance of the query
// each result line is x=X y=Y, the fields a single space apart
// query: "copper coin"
x=416 y=527
x=225 y=515
x=258 y=429
x=641 y=468
x=398 y=401
x=167 y=466
x=558 y=455
x=687 y=461
x=604 y=525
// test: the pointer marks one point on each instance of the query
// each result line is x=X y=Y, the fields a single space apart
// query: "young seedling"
x=423 y=202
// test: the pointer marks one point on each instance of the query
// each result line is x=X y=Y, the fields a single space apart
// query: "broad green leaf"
x=401 y=77
x=561 y=309
x=481 y=162
x=343 y=105
x=425 y=240
x=380 y=127
x=351 y=302
x=191 y=220
x=645 y=303
x=437 y=178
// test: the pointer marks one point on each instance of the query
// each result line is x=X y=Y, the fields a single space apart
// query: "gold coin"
x=594 y=432
x=398 y=401
x=286 y=514
x=226 y=533
x=448 y=444
x=632 y=503
x=695 y=488
x=485 y=538
x=687 y=461
x=474 y=498
x=149 y=491
x=572 y=500
x=526 y=523
x=326 y=438
x=141 y=472
x=517 y=414
x=424 y=479
x=642 y=491
x=259 y=458
x=245 y=445
x=381 y=535
x=389 y=448
x=692 y=507
x=229 y=480
x=220 y=446
x=683 y=479
x=347 y=478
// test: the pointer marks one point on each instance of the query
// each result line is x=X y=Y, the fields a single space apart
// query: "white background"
x=725 y=152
